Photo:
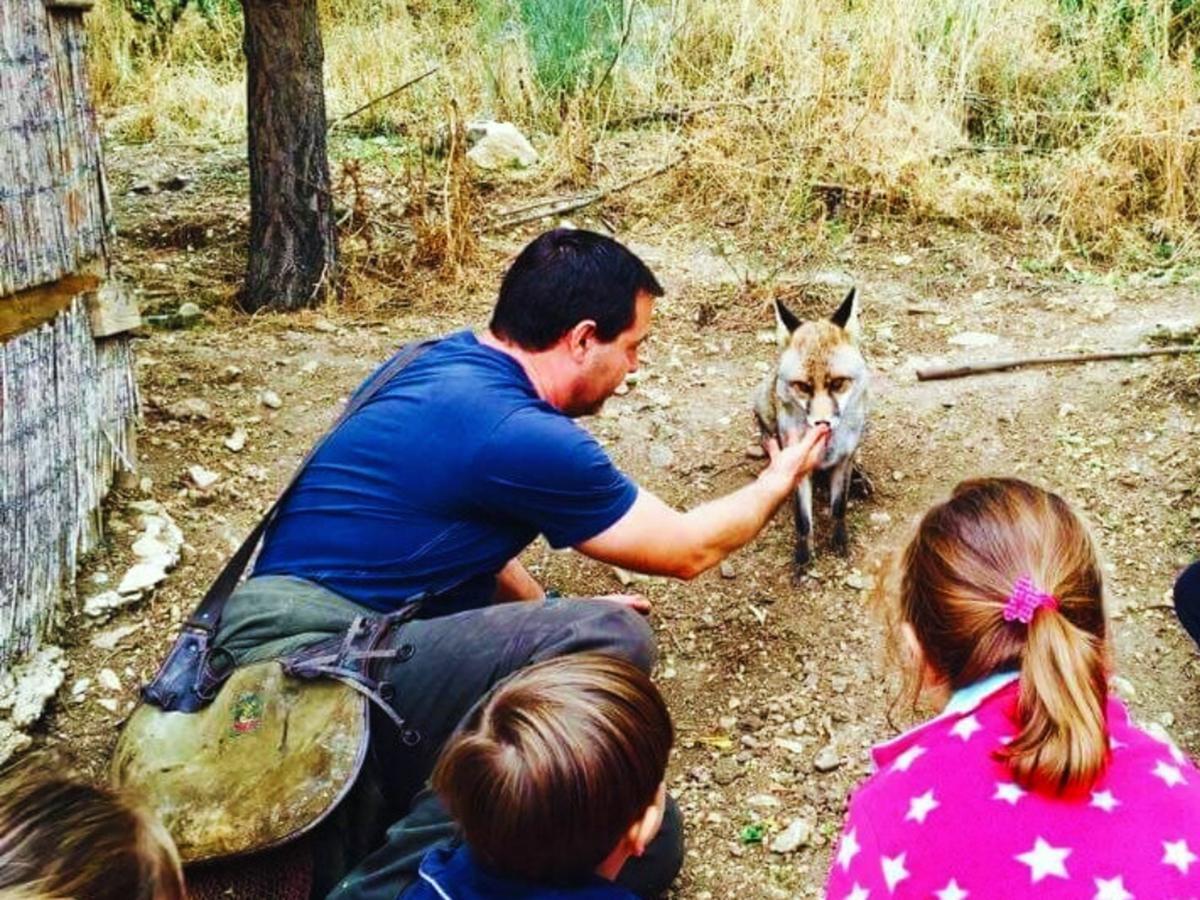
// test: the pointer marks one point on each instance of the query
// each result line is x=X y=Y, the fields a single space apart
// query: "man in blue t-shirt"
x=428 y=493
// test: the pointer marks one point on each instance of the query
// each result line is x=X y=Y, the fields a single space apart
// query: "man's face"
x=606 y=364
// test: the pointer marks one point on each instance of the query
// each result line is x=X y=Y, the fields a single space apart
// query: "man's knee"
x=619 y=631
x=1187 y=600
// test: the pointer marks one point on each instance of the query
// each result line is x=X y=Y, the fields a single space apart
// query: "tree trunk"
x=293 y=246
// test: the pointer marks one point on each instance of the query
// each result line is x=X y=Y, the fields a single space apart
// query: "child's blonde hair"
x=61 y=837
x=956 y=575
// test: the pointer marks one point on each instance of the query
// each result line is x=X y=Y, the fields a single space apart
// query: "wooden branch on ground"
x=560 y=205
x=381 y=98
x=939 y=373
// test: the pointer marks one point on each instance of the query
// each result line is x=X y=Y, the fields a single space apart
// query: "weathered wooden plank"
x=36 y=306
x=112 y=309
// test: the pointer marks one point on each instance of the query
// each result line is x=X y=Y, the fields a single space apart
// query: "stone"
x=726 y=771
x=499 y=145
x=12 y=741
x=108 y=640
x=236 y=442
x=141 y=577
x=26 y=687
x=1124 y=688
x=626 y=577
x=310 y=367
x=973 y=339
x=189 y=313
x=108 y=680
x=109 y=703
x=324 y=325
x=755 y=451
x=190 y=408
x=881 y=518
x=270 y=399
x=727 y=570
x=230 y=374
x=79 y=688
x=792 y=838
x=203 y=478
x=763 y=801
x=101 y=606
x=827 y=759
x=791 y=746
x=661 y=456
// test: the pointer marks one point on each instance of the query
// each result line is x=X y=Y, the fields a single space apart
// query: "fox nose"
x=829 y=422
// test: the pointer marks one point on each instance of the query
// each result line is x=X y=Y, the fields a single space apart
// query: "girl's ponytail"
x=1063 y=741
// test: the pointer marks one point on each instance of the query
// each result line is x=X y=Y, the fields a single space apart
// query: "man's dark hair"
x=563 y=277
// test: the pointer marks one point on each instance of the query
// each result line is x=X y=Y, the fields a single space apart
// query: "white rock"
x=973 y=339
x=763 y=801
x=270 y=399
x=236 y=441
x=142 y=577
x=827 y=760
x=108 y=680
x=310 y=367
x=499 y=145
x=100 y=606
x=25 y=689
x=109 y=703
x=108 y=640
x=79 y=688
x=881 y=518
x=12 y=741
x=902 y=259
x=1124 y=688
x=792 y=838
x=203 y=478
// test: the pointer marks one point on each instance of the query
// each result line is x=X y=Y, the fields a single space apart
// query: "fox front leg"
x=839 y=493
x=804 y=519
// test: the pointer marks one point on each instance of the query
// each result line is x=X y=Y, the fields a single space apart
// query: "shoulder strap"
x=207 y=614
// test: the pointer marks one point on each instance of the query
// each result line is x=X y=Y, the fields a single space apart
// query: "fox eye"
x=803 y=387
x=837 y=385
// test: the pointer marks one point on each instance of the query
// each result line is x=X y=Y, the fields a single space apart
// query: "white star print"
x=858 y=892
x=848 y=849
x=893 y=870
x=920 y=807
x=1114 y=744
x=1111 y=889
x=1170 y=775
x=1178 y=855
x=1009 y=793
x=906 y=759
x=1104 y=800
x=952 y=891
x=966 y=727
x=1044 y=860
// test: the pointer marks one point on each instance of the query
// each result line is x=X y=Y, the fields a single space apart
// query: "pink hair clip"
x=1025 y=600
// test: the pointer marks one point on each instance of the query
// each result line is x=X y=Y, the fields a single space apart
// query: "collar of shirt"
x=965 y=700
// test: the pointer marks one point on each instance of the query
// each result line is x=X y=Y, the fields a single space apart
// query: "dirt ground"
x=763 y=675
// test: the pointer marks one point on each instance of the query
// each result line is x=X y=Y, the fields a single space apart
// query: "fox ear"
x=846 y=316
x=786 y=322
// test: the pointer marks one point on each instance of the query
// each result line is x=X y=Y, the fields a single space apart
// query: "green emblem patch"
x=247 y=713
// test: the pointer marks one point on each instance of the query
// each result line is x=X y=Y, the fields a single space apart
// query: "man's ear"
x=580 y=338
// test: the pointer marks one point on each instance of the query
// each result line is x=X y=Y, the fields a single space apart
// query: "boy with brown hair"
x=555 y=781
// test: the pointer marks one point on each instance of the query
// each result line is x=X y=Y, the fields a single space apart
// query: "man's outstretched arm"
x=655 y=539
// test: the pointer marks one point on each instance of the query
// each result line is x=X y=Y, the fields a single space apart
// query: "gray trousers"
x=371 y=846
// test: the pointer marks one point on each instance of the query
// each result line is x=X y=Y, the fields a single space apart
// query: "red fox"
x=821 y=378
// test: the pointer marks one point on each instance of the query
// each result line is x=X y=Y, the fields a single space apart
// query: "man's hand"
x=636 y=602
x=796 y=459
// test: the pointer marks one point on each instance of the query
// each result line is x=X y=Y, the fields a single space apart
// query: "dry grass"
x=1076 y=120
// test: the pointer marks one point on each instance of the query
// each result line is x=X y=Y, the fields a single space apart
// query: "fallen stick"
x=555 y=207
x=381 y=98
x=939 y=373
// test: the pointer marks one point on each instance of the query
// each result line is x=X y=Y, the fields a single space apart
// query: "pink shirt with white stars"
x=941 y=818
